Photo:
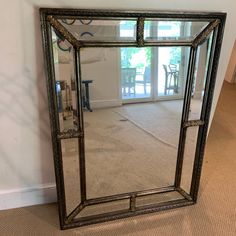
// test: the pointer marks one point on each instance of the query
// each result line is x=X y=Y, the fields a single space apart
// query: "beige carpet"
x=214 y=214
x=129 y=148
x=122 y=154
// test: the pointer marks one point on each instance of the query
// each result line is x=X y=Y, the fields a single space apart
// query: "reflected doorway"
x=136 y=73
x=151 y=74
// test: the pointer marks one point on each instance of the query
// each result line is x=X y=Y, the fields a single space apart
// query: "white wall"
x=230 y=74
x=105 y=74
x=26 y=170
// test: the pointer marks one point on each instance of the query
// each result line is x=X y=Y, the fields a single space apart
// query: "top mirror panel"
x=159 y=30
x=101 y=30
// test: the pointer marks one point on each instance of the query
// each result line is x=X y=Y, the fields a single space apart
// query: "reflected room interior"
x=135 y=107
x=132 y=100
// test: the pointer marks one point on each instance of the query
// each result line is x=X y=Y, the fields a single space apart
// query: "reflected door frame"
x=184 y=29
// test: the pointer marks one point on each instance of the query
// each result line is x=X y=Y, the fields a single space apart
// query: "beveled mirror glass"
x=130 y=95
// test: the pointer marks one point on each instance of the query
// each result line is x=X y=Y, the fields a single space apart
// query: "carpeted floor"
x=124 y=155
x=214 y=214
x=129 y=148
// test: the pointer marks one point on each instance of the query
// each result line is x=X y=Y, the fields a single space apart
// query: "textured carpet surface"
x=129 y=148
x=122 y=155
x=214 y=214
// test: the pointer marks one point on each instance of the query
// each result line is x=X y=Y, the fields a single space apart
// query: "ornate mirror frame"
x=51 y=18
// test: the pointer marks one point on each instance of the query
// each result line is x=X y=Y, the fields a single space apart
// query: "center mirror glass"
x=132 y=102
x=132 y=133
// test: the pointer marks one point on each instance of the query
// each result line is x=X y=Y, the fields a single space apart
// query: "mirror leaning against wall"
x=129 y=98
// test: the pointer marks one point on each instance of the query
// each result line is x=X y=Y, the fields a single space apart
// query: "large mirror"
x=129 y=97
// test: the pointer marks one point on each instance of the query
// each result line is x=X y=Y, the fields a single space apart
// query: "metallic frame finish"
x=49 y=18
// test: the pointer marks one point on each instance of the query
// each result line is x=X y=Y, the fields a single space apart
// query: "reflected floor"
x=141 y=91
x=122 y=157
x=129 y=148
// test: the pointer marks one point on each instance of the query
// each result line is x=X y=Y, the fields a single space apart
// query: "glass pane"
x=172 y=71
x=104 y=208
x=119 y=139
x=189 y=155
x=65 y=83
x=158 y=30
x=71 y=171
x=101 y=30
x=157 y=198
x=200 y=77
x=136 y=72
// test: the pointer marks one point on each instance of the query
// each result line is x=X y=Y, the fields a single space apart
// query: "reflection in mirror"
x=158 y=72
x=200 y=78
x=172 y=71
x=101 y=30
x=189 y=156
x=157 y=30
x=120 y=138
x=135 y=71
x=147 y=200
x=71 y=171
x=65 y=82
x=104 y=208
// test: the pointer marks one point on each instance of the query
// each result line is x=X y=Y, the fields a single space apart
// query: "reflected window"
x=127 y=29
x=155 y=30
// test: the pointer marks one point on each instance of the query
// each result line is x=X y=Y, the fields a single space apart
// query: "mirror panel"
x=104 y=208
x=200 y=78
x=71 y=172
x=153 y=199
x=101 y=30
x=189 y=156
x=120 y=138
x=64 y=83
x=160 y=30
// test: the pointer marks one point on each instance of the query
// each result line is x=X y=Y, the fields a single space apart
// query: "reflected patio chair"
x=128 y=76
x=147 y=77
x=171 y=78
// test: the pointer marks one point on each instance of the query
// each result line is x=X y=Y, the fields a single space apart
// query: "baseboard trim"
x=95 y=104
x=22 y=197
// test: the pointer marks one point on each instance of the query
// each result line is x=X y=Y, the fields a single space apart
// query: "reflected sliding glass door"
x=169 y=64
x=135 y=68
x=171 y=72
x=136 y=74
x=156 y=73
